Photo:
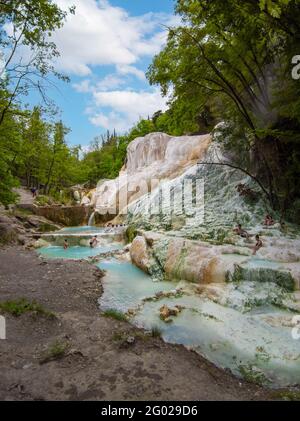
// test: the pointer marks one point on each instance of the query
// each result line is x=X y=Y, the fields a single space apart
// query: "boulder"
x=8 y=234
x=166 y=312
x=4 y=219
x=76 y=196
x=139 y=253
x=22 y=240
x=40 y=243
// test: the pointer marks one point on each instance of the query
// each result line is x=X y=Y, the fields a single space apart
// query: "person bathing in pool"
x=66 y=245
x=241 y=232
x=258 y=244
x=94 y=242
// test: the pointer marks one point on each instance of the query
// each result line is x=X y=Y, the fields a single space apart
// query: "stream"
x=254 y=342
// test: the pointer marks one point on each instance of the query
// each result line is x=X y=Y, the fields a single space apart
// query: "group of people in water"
x=239 y=230
x=93 y=242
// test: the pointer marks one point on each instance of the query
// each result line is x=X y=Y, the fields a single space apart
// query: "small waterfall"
x=92 y=219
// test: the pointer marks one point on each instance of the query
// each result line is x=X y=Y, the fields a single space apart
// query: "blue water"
x=125 y=285
x=223 y=335
x=255 y=262
x=77 y=252
x=81 y=230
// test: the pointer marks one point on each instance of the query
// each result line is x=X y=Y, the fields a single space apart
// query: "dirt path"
x=25 y=196
x=98 y=364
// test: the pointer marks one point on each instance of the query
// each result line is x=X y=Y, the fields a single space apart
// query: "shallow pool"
x=255 y=262
x=125 y=285
x=247 y=344
x=77 y=252
x=256 y=343
x=82 y=230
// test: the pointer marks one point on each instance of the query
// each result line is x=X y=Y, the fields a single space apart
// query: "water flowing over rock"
x=150 y=159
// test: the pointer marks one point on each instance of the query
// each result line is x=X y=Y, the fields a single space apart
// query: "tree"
x=27 y=25
x=233 y=58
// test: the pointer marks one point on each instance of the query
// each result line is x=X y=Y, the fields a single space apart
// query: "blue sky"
x=105 y=50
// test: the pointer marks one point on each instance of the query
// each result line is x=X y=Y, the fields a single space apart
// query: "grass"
x=156 y=332
x=55 y=351
x=287 y=395
x=21 y=212
x=21 y=306
x=115 y=314
x=47 y=228
x=117 y=337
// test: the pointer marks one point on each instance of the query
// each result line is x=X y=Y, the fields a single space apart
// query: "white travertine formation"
x=150 y=159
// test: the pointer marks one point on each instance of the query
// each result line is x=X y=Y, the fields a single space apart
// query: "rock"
x=40 y=243
x=22 y=240
x=85 y=201
x=139 y=253
x=76 y=196
x=130 y=340
x=166 y=312
x=5 y=220
x=8 y=234
x=149 y=159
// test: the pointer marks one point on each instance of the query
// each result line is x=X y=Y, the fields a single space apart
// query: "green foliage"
x=115 y=314
x=31 y=23
x=232 y=61
x=56 y=350
x=253 y=375
x=34 y=150
x=131 y=233
x=21 y=306
x=30 y=147
x=156 y=332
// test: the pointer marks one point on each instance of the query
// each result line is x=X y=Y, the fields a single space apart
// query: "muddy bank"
x=97 y=362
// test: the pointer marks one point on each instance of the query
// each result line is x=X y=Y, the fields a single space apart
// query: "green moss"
x=236 y=276
x=21 y=306
x=253 y=375
x=281 y=278
x=131 y=233
x=262 y=354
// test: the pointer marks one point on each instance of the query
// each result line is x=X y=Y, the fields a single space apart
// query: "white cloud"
x=127 y=107
x=82 y=87
x=101 y=34
x=110 y=81
x=125 y=69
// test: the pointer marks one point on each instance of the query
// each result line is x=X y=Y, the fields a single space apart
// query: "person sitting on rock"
x=269 y=220
x=66 y=245
x=241 y=232
x=258 y=244
x=94 y=242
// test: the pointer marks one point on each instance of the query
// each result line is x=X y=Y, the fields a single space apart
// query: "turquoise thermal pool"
x=77 y=252
x=240 y=333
